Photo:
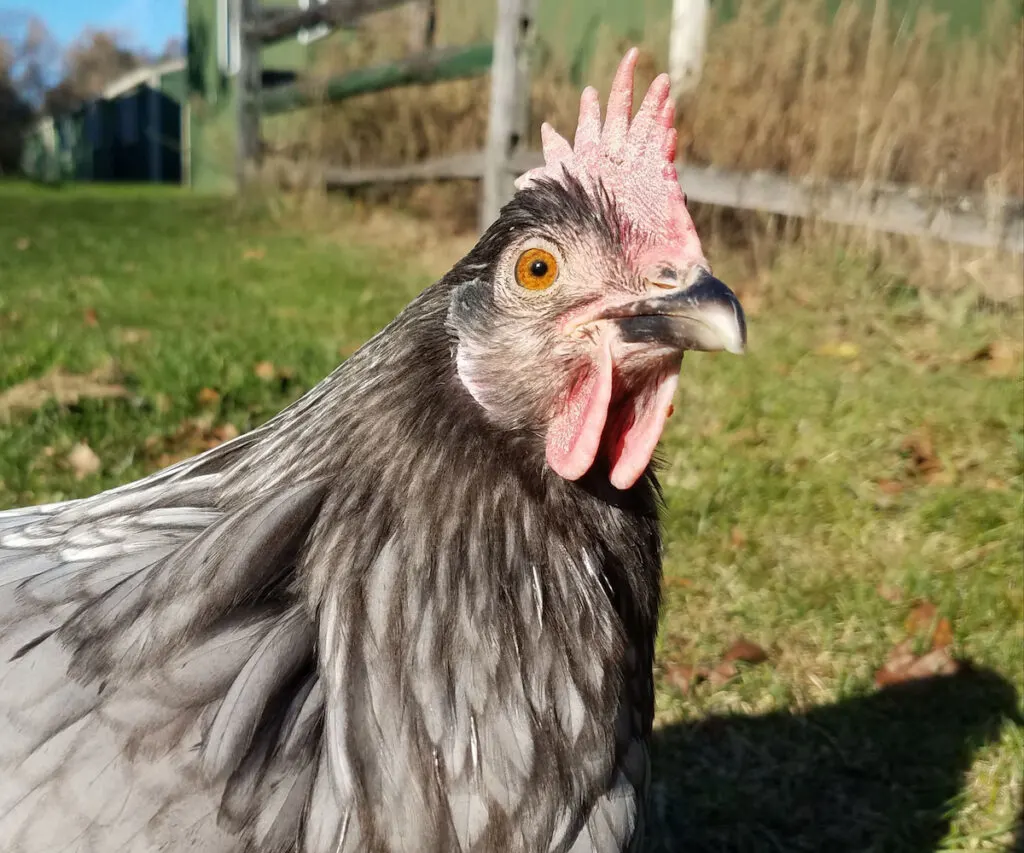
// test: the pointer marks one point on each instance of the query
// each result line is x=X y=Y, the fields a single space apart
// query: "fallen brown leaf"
x=207 y=397
x=890 y=487
x=83 y=460
x=903 y=665
x=920 y=448
x=924 y=621
x=193 y=435
x=90 y=317
x=746 y=652
x=65 y=388
x=942 y=636
x=943 y=477
x=921 y=618
x=1002 y=358
x=685 y=678
x=264 y=370
x=737 y=538
x=722 y=673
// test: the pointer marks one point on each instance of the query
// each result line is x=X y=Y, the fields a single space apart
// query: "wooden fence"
x=506 y=60
x=989 y=222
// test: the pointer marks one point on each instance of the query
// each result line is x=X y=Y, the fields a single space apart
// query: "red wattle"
x=631 y=449
x=574 y=435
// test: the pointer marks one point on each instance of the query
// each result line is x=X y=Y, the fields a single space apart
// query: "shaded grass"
x=777 y=529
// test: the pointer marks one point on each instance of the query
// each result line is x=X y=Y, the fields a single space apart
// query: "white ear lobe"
x=464 y=367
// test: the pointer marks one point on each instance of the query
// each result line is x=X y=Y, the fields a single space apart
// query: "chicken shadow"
x=870 y=773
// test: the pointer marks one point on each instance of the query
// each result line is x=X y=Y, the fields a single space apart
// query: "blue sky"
x=145 y=23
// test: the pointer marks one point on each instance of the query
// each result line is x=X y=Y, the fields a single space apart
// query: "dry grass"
x=860 y=96
x=863 y=97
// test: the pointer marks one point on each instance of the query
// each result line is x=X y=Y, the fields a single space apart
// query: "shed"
x=134 y=130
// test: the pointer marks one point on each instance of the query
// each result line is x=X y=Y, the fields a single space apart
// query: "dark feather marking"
x=283 y=651
x=233 y=561
x=31 y=644
x=277 y=826
x=303 y=722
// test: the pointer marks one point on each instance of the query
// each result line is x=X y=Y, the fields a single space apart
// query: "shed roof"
x=147 y=74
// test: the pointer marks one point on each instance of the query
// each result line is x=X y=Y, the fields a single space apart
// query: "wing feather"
x=285 y=648
x=157 y=668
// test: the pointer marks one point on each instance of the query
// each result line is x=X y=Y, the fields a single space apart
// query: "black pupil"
x=539 y=269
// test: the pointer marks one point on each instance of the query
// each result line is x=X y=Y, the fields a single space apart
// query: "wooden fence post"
x=250 y=75
x=508 y=122
x=686 y=43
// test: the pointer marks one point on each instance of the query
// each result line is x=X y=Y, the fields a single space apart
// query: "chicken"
x=416 y=610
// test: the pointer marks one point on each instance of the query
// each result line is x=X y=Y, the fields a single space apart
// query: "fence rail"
x=272 y=24
x=431 y=66
x=506 y=59
x=962 y=219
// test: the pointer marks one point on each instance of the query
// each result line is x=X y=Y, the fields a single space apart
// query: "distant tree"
x=31 y=55
x=95 y=59
x=61 y=98
x=29 y=61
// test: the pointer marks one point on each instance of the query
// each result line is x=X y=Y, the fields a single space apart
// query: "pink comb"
x=635 y=161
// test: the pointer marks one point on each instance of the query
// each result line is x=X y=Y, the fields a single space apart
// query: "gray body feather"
x=378 y=623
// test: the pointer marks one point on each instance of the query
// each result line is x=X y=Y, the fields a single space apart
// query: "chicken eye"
x=536 y=269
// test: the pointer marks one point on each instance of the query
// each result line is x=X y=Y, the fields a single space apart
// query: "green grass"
x=777 y=528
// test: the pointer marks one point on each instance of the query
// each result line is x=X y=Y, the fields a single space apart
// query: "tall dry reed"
x=858 y=96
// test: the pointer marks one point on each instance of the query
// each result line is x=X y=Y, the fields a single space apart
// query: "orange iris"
x=536 y=269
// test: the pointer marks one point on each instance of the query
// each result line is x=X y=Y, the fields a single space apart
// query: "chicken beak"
x=705 y=316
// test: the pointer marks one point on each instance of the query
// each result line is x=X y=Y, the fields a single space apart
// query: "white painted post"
x=687 y=40
x=510 y=91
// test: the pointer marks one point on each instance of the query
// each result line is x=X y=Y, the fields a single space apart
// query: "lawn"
x=846 y=495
